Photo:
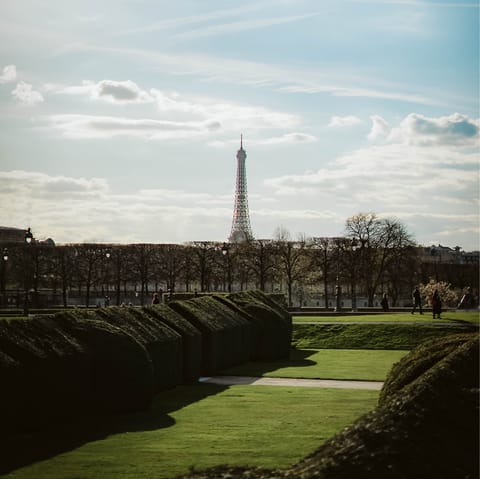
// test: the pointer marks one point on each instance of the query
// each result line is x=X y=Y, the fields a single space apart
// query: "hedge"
x=191 y=339
x=226 y=336
x=114 y=359
x=273 y=324
x=121 y=371
x=371 y=336
x=162 y=343
x=54 y=365
x=427 y=428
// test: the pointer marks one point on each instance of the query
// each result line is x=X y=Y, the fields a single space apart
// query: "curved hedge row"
x=114 y=359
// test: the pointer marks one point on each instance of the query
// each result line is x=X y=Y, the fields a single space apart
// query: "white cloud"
x=113 y=91
x=240 y=26
x=121 y=92
x=50 y=205
x=221 y=69
x=455 y=129
x=415 y=179
x=380 y=128
x=232 y=115
x=90 y=126
x=9 y=74
x=288 y=138
x=341 y=121
x=24 y=93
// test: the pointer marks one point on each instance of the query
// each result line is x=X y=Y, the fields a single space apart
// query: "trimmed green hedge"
x=114 y=359
x=370 y=336
x=54 y=365
x=226 y=336
x=426 y=428
x=272 y=332
x=191 y=339
x=162 y=343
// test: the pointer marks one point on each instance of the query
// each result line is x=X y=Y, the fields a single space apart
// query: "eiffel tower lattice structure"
x=241 y=230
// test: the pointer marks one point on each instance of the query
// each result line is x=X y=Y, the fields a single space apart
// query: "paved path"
x=309 y=383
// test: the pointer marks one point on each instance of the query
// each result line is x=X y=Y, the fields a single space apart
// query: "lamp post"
x=4 y=273
x=226 y=254
x=338 y=288
x=354 y=294
x=107 y=297
x=28 y=240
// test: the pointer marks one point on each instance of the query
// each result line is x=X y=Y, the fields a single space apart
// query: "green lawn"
x=455 y=316
x=360 y=364
x=243 y=425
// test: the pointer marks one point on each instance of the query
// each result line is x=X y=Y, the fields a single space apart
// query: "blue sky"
x=120 y=120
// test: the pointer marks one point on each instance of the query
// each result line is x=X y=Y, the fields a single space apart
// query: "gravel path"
x=309 y=383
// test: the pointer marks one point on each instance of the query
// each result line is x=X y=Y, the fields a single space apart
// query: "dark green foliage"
x=420 y=361
x=41 y=373
x=121 y=375
x=191 y=338
x=52 y=366
x=428 y=428
x=273 y=330
x=226 y=336
x=162 y=343
x=114 y=359
x=426 y=425
x=369 y=336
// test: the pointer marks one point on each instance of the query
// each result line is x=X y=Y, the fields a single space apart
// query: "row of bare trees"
x=374 y=256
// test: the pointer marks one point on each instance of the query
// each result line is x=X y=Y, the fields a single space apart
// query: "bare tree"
x=261 y=260
x=292 y=260
x=143 y=257
x=379 y=242
x=87 y=259
x=204 y=253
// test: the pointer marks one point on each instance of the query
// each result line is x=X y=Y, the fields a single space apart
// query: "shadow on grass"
x=297 y=358
x=21 y=449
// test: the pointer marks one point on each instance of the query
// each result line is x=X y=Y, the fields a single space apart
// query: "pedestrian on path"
x=436 y=305
x=384 y=302
x=417 y=300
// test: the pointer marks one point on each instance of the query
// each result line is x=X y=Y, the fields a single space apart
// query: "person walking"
x=417 y=300
x=436 y=305
x=384 y=302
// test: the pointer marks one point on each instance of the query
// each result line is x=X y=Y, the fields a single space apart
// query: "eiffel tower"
x=241 y=230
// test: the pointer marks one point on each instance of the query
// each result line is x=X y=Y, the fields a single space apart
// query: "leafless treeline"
x=374 y=256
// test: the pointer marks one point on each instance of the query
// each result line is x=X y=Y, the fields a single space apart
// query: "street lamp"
x=338 y=288
x=4 y=272
x=226 y=254
x=28 y=240
x=107 y=297
x=354 y=295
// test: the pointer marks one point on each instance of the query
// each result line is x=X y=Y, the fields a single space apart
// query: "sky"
x=120 y=120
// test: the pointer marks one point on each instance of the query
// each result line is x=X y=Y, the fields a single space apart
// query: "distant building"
x=12 y=235
x=447 y=255
x=17 y=235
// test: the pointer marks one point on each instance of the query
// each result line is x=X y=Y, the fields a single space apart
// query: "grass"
x=203 y=425
x=239 y=425
x=371 y=336
x=361 y=364
x=455 y=316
